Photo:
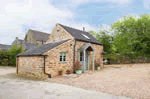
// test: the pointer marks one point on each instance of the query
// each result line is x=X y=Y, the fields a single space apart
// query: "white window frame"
x=62 y=55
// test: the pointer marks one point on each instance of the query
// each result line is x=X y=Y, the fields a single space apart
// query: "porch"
x=86 y=57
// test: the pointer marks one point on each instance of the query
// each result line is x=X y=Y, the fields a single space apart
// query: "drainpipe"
x=74 y=56
x=17 y=64
x=49 y=75
x=42 y=42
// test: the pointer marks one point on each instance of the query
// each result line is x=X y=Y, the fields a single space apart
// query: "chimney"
x=83 y=28
x=16 y=38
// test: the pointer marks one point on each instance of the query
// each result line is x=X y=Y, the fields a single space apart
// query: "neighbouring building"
x=4 y=47
x=36 y=37
x=17 y=42
x=33 y=38
x=63 y=48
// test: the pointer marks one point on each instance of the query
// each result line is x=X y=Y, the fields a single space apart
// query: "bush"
x=12 y=54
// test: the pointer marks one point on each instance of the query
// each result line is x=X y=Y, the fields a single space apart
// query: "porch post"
x=84 y=60
x=93 y=60
x=88 y=62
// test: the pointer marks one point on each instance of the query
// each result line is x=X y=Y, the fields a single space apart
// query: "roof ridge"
x=73 y=28
x=38 y=31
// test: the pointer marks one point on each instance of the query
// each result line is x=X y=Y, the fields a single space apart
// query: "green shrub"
x=12 y=54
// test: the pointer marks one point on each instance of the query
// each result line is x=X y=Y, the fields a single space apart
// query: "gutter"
x=74 y=55
x=49 y=75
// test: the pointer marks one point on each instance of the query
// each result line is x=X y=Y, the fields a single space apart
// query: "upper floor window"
x=62 y=57
x=57 y=32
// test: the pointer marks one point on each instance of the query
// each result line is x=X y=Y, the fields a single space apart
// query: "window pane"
x=81 y=56
x=64 y=59
x=60 y=58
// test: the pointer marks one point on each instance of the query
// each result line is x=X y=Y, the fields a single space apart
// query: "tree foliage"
x=132 y=34
x=105 y=38
x=12 y=54
x=130 y=37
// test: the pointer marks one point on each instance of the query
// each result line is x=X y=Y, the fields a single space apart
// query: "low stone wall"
x=31 y=66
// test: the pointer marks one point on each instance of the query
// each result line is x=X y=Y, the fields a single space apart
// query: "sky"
x=17 y=16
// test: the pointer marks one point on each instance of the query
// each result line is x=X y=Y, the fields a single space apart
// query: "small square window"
x=62 y=57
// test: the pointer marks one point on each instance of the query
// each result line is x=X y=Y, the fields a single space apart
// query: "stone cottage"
x=32 y=39
x=63 y=48
x=36 y=37
x=17 y=42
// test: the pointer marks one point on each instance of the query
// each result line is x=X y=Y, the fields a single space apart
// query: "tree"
x=105 y=38
x=12 y=54
x=132 y=34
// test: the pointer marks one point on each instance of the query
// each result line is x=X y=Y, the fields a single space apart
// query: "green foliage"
x=132 y=34
x=4 y=57
x=105 y=38
x=130 y=38
x=12 y=54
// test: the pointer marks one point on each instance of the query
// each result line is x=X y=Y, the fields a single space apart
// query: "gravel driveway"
x=12 y=87
x=132 y=80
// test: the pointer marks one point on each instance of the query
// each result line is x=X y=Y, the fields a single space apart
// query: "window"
x=81 y=56
x=57 y=33
x=85 y=36
x=62 y=57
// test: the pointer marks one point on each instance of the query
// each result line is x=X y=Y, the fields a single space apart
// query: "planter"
x=78 y=71
x=60 y=73
x=98 y=67
x=68 y=72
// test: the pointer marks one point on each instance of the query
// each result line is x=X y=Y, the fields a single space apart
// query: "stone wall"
x=59 y=33
x=31 y=66
x=29 y=39
x=98 y=51
x=53 y=65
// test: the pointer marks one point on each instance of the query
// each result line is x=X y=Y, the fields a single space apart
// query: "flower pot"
x=98 y=67
x=60 y=73
x=68 y=72
x=78 y=71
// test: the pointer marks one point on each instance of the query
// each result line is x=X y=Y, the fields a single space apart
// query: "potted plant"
x=60 y=72
x=97 y=65
x=68 y=71
x=78 y=66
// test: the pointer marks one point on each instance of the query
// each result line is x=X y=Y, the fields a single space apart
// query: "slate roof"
x=28 y=46
x=39 y=36
x=41 y=49
x=4 y=47
x=78 y=35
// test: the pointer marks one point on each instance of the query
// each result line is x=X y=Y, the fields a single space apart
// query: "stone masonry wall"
x=31 y=66
x=98 y=51
x=30 y=39
x=59 y=33
x=52 y=60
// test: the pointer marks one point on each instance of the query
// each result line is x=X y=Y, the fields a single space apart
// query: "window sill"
x=62 y=62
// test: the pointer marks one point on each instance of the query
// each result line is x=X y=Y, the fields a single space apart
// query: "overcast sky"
x=17 y=16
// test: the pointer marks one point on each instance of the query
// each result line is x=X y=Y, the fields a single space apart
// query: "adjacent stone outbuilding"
x=63 y=48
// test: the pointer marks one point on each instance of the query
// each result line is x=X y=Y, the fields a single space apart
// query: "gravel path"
x=12 y=87
x=131 y=80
